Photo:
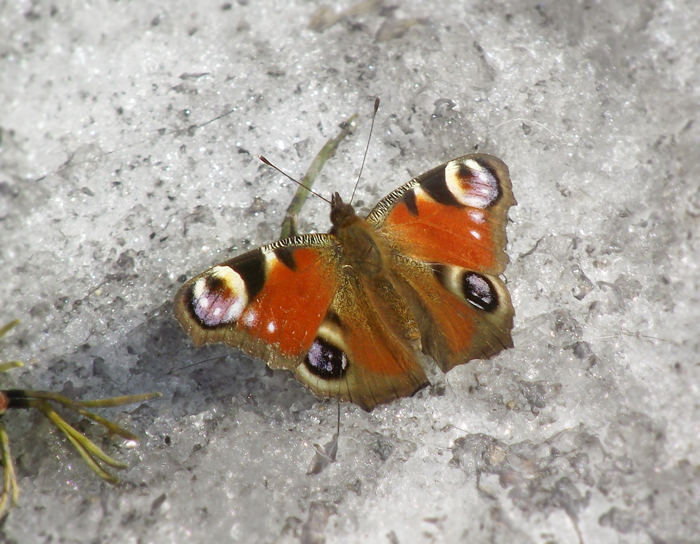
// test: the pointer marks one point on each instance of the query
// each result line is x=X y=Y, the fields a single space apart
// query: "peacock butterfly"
x=350 y=311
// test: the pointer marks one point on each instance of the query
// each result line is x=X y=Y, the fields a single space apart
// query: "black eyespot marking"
x=486 y=185
x=325 y=360
x=286 y=256
x=215 y=284
x=409 y=198
x=437 y=189
x=194 y=309
x=476 y=289
x=217 y=297
x=251 y=268
x=479 y=291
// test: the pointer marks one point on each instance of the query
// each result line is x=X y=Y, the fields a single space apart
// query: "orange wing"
x=454 y=214
x=292 y=304
x=447 y=231
x=269 y=302
x=299 y=305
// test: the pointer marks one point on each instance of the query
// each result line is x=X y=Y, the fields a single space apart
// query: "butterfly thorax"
x=362 y=249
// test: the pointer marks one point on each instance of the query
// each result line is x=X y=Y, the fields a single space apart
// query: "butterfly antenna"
x=263 y=159
x=371 y=127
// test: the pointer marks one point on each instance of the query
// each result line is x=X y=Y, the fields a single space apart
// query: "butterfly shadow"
x=198 y=379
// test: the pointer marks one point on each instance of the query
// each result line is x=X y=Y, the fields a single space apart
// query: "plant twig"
x=91 y=453
x=289 y=224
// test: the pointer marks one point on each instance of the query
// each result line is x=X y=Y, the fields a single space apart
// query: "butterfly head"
x=342 y=214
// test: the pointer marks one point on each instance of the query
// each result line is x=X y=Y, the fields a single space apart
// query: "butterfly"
x=352 y=311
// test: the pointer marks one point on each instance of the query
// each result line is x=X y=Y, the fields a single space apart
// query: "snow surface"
x=129 y=135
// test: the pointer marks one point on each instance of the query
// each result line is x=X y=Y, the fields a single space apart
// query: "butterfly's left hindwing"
x=361 y=353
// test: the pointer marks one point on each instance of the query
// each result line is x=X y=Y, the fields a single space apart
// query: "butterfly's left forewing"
x=269 y=302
